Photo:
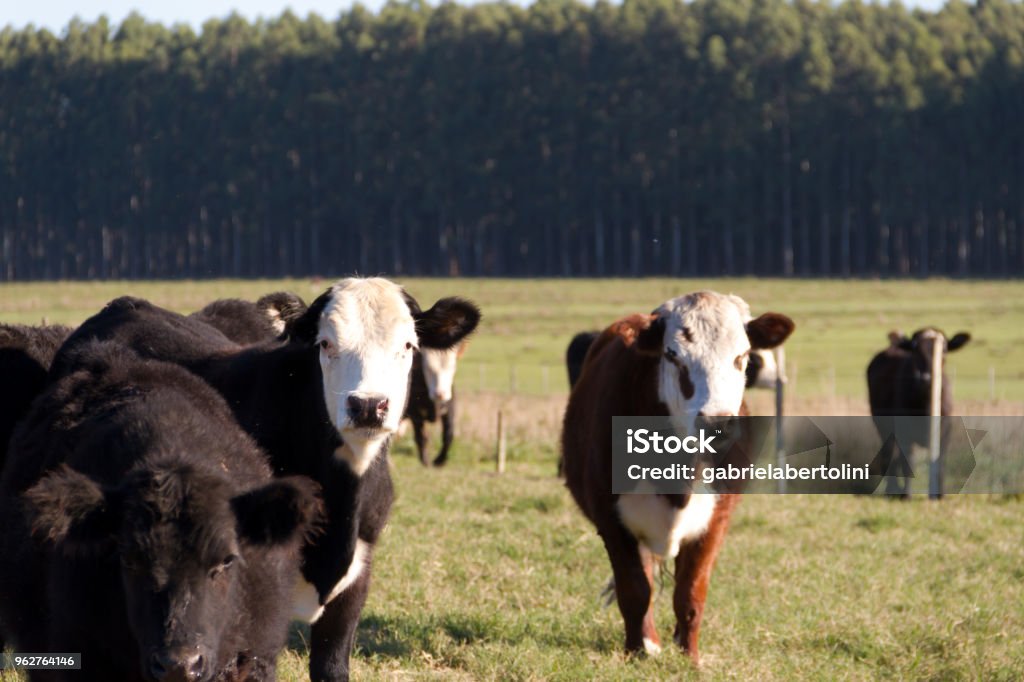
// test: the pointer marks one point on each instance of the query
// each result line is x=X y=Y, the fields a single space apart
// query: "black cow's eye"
x=671 y=354
x=225 y=564
x=325 y=344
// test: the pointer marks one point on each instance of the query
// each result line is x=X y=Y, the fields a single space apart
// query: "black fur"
x=247 y=323
x=422 y=410
x=275 y=390
x=127 y=494
x=25 y=357
x=576 y=353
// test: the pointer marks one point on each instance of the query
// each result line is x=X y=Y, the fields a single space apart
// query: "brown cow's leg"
x=693 y=576
x=633 y=588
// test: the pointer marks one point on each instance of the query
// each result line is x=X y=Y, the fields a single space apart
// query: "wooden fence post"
x=501 y=443
x=934 y=440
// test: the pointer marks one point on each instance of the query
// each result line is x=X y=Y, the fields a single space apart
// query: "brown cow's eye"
x=408 y=345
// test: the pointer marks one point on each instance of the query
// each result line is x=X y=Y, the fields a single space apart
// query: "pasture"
x=481 y=576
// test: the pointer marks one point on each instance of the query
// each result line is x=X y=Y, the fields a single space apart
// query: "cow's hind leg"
x=693 y=576
x=333 y=635
x=632 y=567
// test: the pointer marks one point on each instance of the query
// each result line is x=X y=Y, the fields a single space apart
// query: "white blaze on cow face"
x=367 y=337
x=439 y=372
x=703 y=364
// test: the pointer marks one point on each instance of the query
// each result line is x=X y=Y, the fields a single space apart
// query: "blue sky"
x=55 y=14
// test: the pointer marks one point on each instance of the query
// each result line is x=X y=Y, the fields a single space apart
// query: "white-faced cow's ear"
x=287 y=509
x=769 y=330
x=651 y=339
x=283 y=309
x=306 y=327
x=446 y=323
x=958 y=341
x=69 y=508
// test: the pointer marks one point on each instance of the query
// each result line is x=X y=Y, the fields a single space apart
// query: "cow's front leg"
x=333 y=635
x=419 y=434
x=447 y=434
x=693 y=576
x=632 y=567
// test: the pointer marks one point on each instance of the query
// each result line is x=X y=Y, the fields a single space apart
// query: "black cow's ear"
x=305 y=327
x=769 y=330
x=72 y=510
x=286 y=509
x=958 y=341
x=284 y=309
x=446 y=323
x=651 y=339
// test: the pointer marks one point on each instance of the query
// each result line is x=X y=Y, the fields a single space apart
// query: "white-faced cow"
x=144 y=529
x=432 y=398
x=325 y=404
x=686 y=360
x=247 y=323
x=899 y=384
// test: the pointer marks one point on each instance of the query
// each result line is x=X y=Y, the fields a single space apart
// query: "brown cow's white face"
x=706 y=339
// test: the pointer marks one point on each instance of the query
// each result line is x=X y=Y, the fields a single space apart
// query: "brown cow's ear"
x=651 y=339
x=958 y=341
x=896 y=337
x=769 y=330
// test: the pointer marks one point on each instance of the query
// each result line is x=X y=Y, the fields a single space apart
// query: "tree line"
x=661 y=137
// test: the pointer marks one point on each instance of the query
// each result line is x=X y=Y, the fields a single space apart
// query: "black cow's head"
x=921 y=347
x=184 y=541
x=367 y=331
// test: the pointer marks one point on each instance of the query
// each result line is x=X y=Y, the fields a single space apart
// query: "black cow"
x=432 y=398
x=25 y=356
x=246 y=323
x=323 y=404
x=144 y=529
x=899 y=384
x=576 y=353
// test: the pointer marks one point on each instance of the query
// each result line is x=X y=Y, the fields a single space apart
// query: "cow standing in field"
x=899 y=385
x=432 y=398
x=686 y=360
x=143 y=528
x=246 y=323
x=325 y=404
x=25 y=356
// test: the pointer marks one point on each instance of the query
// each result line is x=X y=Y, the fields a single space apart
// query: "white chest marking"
x=660 y=526
x=360 y=453
x=306 y=604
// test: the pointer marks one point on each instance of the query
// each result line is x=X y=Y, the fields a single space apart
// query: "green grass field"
x=486 y=576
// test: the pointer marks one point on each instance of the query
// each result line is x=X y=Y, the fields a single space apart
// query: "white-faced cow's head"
x=439 y=373
x=704 y=340
x=366 y=331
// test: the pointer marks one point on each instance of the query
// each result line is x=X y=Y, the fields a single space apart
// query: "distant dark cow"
x=25 y=356
x=324 y=404
x=577 y=352
x=900 y=384
x=686 y=360
x=141 y=527
x=246 y=323
x=432 y=398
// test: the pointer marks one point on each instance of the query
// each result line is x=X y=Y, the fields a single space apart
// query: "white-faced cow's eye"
x=408 y=345
x=671 y=354
x=325 y=344
x=224 y=565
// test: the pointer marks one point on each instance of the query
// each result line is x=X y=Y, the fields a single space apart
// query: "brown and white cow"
x=685 y=360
